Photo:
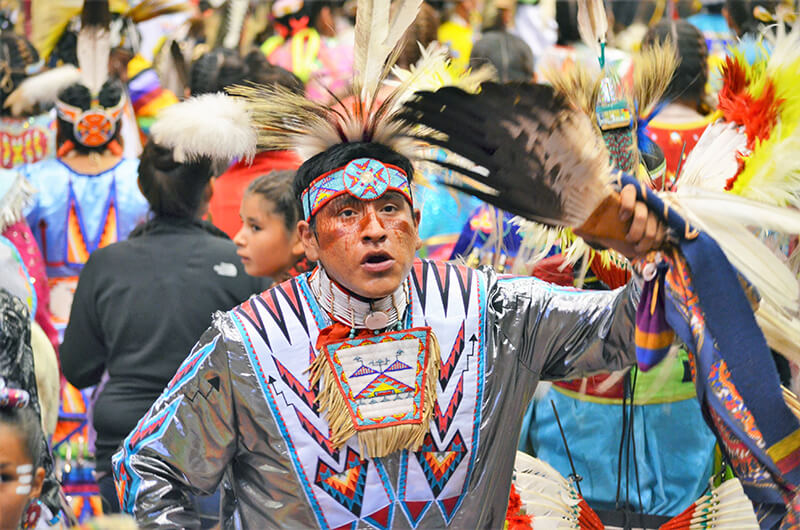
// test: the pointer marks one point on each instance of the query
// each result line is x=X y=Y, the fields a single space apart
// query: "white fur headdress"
x=212 y=125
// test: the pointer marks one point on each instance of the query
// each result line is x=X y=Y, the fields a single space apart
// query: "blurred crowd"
x=120 y=249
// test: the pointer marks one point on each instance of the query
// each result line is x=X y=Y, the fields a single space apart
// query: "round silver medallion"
x=376 y=320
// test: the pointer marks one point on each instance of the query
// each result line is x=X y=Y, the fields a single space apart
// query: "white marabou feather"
x=212 y=125
x=93 y=50
x=714 y=158
x=377 y=35
x=592 y=23
x=41 y=89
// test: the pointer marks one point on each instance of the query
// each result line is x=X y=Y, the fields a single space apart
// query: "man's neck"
x=355 y=311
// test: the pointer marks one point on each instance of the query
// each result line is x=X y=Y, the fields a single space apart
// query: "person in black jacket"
x=140 y=304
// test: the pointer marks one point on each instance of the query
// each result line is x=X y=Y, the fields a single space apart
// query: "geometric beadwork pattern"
x=346 y=486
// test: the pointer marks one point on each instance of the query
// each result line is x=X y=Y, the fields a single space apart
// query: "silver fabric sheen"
x=535 y=332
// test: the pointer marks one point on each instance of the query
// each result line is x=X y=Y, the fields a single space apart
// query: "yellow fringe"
x=378 y=442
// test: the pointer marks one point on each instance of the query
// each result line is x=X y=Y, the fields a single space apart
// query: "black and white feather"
x=537 y=156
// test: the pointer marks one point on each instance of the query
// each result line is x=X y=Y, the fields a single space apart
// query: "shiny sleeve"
x=564 y=333
x=186 y=440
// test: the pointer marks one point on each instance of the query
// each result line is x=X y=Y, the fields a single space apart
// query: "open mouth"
x=377 y=261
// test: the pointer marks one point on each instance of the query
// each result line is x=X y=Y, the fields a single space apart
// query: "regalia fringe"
x=14 y=201
x=374 y=443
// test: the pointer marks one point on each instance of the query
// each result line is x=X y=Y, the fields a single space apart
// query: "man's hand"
x=646 y=232
x=624 y=224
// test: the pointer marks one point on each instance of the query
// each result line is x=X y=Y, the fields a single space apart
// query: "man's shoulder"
x=289 y=290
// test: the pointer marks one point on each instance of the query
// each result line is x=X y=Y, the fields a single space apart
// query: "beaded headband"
x=365 y=179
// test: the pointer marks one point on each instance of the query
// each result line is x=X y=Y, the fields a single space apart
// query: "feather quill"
x=183 y=127
x=94 y=44
x=41 y=89
x=371 y=34
x=592 y=24
x=549 y=498
x=725 y=506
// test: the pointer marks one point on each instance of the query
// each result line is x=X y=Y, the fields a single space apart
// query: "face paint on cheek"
x=25 y=468
x=24 y=490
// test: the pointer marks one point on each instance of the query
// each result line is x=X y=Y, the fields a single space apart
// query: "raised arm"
x=562 y=333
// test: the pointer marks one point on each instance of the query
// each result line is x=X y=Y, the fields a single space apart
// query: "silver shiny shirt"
x=220 y=430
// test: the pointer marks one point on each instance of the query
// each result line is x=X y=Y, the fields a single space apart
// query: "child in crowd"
x=267 y=242
x=21 y=475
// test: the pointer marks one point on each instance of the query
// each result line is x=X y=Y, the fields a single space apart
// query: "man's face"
x=367 y=247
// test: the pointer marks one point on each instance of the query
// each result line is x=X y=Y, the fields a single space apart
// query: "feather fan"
x=593 y=24
x=94 y=44
x=522 y=137
x=41 y=89
x=184 y=127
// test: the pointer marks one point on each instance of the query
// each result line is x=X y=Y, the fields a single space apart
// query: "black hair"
x=740 y=13
x=339 y=155
x=260 y=71
x=78 y=95
x=214 y=70
x=16 y=54
x=277 y=187
x=27 y=424
x=567 y=20
x=173 y=189
x=689 y=82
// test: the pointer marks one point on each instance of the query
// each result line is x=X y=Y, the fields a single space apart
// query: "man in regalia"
x=378 y=389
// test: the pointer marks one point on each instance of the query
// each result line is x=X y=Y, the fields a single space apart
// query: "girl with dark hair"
x=230 y=187
x=28 y=485
x=685 y=113
x=186 y=264
x=267 y=242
